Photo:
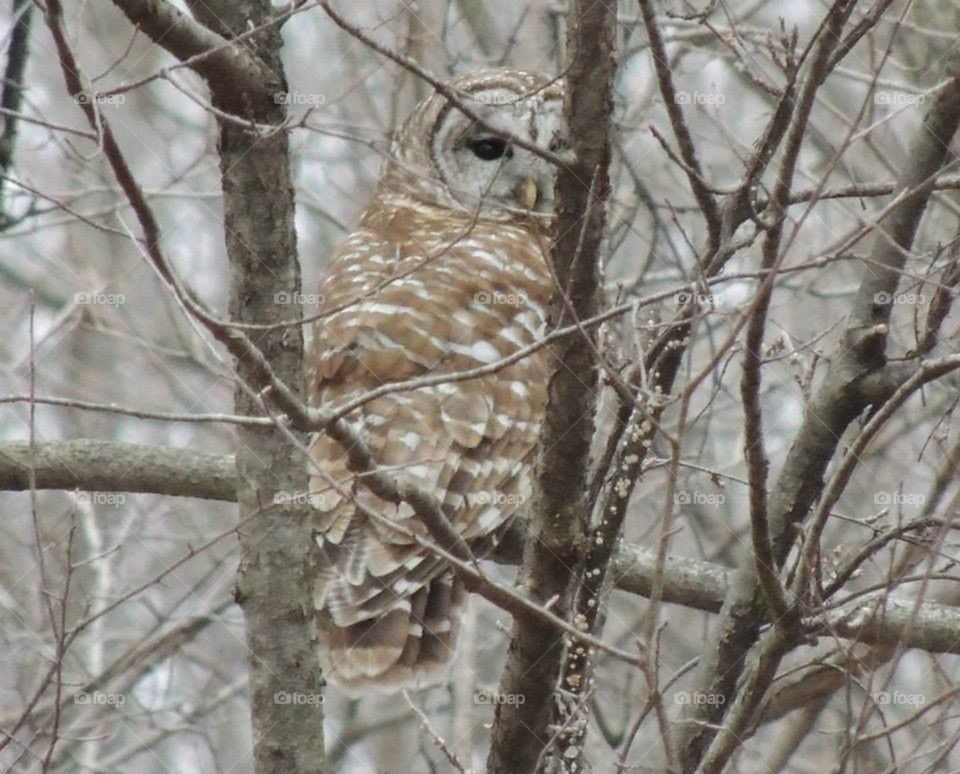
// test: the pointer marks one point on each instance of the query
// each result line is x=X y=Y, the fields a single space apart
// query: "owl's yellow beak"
x=528 y=193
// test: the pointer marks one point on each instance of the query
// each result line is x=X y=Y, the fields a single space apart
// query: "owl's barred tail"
x=408 y=646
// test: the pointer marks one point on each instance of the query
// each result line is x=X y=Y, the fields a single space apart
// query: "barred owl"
x=447 y=271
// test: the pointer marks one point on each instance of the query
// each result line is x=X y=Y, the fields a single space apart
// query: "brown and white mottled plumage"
x=447 y=271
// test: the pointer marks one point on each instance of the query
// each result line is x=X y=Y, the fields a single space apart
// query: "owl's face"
x=446 y=158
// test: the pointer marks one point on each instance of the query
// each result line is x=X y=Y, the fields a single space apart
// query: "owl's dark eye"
x=488 y=148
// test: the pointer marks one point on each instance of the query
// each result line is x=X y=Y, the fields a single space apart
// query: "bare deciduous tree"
x=739 y=554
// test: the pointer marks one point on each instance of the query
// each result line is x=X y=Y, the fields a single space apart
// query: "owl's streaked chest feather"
x=415 y=291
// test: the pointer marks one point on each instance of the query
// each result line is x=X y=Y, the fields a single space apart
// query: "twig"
x=688 y=152
x=427 y=726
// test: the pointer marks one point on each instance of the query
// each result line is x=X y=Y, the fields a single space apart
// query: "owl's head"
x=443 y=157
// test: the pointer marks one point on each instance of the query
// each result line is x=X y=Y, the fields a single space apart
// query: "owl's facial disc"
x=484 y=170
